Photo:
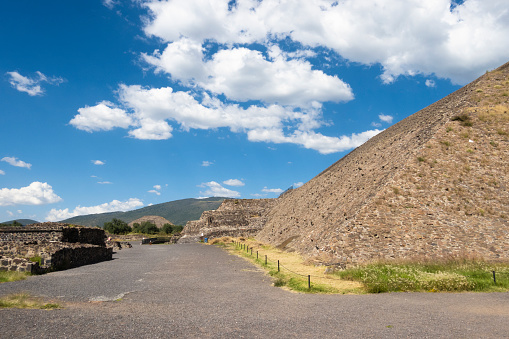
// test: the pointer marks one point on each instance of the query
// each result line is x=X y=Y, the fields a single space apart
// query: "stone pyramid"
x=434 y=185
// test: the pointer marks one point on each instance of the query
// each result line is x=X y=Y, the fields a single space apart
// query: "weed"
x=493 y=143
x=470 y=151
x=449 y=129
x=36 y=259
x=24 y=300
x=432 y=276
x=7 y=276
x=445 y=143
x=421 y=159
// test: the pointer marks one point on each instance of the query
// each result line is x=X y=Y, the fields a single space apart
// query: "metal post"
x=494 y=278
x=256 y=254
x=265 y=259
x=278 y=265
x=309 y=282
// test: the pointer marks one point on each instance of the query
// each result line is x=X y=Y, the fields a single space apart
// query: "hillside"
x=21 y=221
x=178 y=212
x=434 y=184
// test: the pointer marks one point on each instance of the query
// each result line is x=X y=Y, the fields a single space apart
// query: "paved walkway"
x=201 y=291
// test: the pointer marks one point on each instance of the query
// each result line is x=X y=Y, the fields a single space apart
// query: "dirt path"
x=201 y=291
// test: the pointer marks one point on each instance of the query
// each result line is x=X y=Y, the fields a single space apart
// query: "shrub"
x=117 y=226
x=167 y=229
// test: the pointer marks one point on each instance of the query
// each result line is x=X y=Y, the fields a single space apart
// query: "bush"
x=149 y=228
x=167 y=228
x=117 y=226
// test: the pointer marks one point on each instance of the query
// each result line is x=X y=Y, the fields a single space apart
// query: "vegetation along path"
x=201 y=291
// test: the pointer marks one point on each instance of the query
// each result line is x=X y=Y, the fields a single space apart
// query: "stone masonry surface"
x=434 y=185
x=48 y=246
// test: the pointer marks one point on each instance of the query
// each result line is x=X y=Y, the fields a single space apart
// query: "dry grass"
x=25 y=300
x=295 y=263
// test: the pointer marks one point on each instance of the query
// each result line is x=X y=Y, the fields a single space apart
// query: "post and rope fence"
x=249 y=251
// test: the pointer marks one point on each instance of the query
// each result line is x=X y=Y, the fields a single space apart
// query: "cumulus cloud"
x=98 y=162
x=113 y=206
x=214 y=189
x=272 y=190
x=430 y=83
x=242 y=74
x=385 y=118
x=102 y=117
x=2 y=172
x=233 y=182
x=156 y=190
x=37 y=193
x=297 y=184
x=207 y=163
x=16 y=162
x=32 y=86
x=406 y=37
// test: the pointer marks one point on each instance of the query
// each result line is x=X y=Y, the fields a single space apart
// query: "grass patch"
x=25 y=300
x=8 y=276
x=428 y=276
x=293 y=273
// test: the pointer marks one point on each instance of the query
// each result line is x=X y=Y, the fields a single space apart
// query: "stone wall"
x=234 y=217
x=54 y=245
x=53 y=232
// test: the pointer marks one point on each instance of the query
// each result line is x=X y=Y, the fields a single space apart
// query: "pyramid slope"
x=429 y=185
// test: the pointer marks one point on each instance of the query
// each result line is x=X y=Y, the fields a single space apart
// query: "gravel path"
x=202 y=291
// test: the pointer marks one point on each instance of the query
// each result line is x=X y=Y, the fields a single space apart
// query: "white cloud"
x=10 y=213
x=37 y=193
x=215 y=189
x=406 y=37
x=98 y=162
x=233 y=182
x=272 y=190
x=104 y=182
x=207 y=163
x=159 y=105
x=311 y=140
x=110 y=3
x=157 y=187
x=242 y=74
x=15 y=162
x=2 y=172
x=155 y=192
x=102 y=117
x=297 y=184
x=32 y=86
x=19 y=211
x=430 y=83
x=385 y=118
x=113 y=206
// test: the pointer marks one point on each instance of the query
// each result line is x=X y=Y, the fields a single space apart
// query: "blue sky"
x=115 y=105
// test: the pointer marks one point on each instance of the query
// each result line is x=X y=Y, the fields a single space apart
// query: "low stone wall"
x=53 y=232
x=19 y=265
x=56 y=245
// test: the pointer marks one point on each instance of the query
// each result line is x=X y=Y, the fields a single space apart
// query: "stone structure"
x=154 y=219
x=51 y=246
x=434 y=185
x=234 y=217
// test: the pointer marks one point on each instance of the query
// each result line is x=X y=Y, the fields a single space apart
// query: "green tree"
x=167 y=228
x=117 y=226
x=137 y=227
x=177 y=228
x=149 y=228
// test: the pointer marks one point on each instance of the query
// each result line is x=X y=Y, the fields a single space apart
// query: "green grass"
x=8 y=276
x=24 y=300
x=447 y=276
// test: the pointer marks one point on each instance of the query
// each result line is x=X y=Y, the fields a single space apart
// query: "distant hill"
x=21 y=221
x=179 y=212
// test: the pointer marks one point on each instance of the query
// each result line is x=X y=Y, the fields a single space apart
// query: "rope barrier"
x=267 y=261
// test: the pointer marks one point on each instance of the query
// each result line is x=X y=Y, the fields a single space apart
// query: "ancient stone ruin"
x=234 y=217
x=434 y=185
x=154 y=219
x=43 y=247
